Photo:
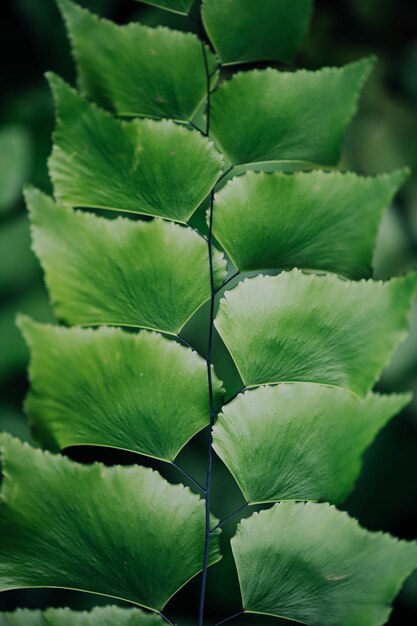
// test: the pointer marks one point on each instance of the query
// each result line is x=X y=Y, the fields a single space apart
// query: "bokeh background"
x=382 y=137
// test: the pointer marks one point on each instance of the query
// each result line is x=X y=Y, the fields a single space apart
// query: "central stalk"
x=208 y=359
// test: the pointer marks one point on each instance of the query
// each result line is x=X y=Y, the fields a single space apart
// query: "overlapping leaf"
x=141 y=392
x=268 y=115
x=99 y=616
x=300 y=327
x=144 y=166
x=137 y=70
x=299 y=441
x=273 y=31
x=326 y=221
x=314 y=564
x=119 y=531
x=120 y=272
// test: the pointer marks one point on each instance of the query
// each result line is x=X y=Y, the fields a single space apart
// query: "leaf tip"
x=69 y=10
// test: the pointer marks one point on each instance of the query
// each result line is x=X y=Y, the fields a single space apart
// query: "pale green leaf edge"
x=158 y=5
x=138 y=616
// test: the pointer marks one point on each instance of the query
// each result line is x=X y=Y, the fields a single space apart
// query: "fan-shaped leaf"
x=314 y=564
x=299 y=441
x=136 y=536
x=268 y=115
x=143 y=166
x=176 y=6
x=148 y=274
x=273 y=31
x=314 y=220
x=141 y=392
x=137 y=70
x=99 y=616
x=300 y=327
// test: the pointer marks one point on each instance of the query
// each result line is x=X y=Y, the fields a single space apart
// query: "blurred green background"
x=382 y=137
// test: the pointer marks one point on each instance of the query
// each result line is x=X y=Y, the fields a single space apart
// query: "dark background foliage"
x=382 y=137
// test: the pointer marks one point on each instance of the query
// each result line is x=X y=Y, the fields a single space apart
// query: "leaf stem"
x=236 y=394
x=226 y=282
x=229 y=517
x=209 y=348
x=198 y=232
x=216 y=69
x=193 y=480
x=165 y=618
x=189 y=345
x=229 y=169
x=229 y=618
x=191 y=123
x=212 y=415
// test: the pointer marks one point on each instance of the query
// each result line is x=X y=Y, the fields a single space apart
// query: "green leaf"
x=268 y=115
x=308 y=328
x=137 y=70
x=326 y=221
x=273 y=31
x=144 y=166
x=152 y=275
x=314 y=564
x=99 y=616
x=103 y=387
x=117 y=531
x=15 y=158
x=299 y=441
